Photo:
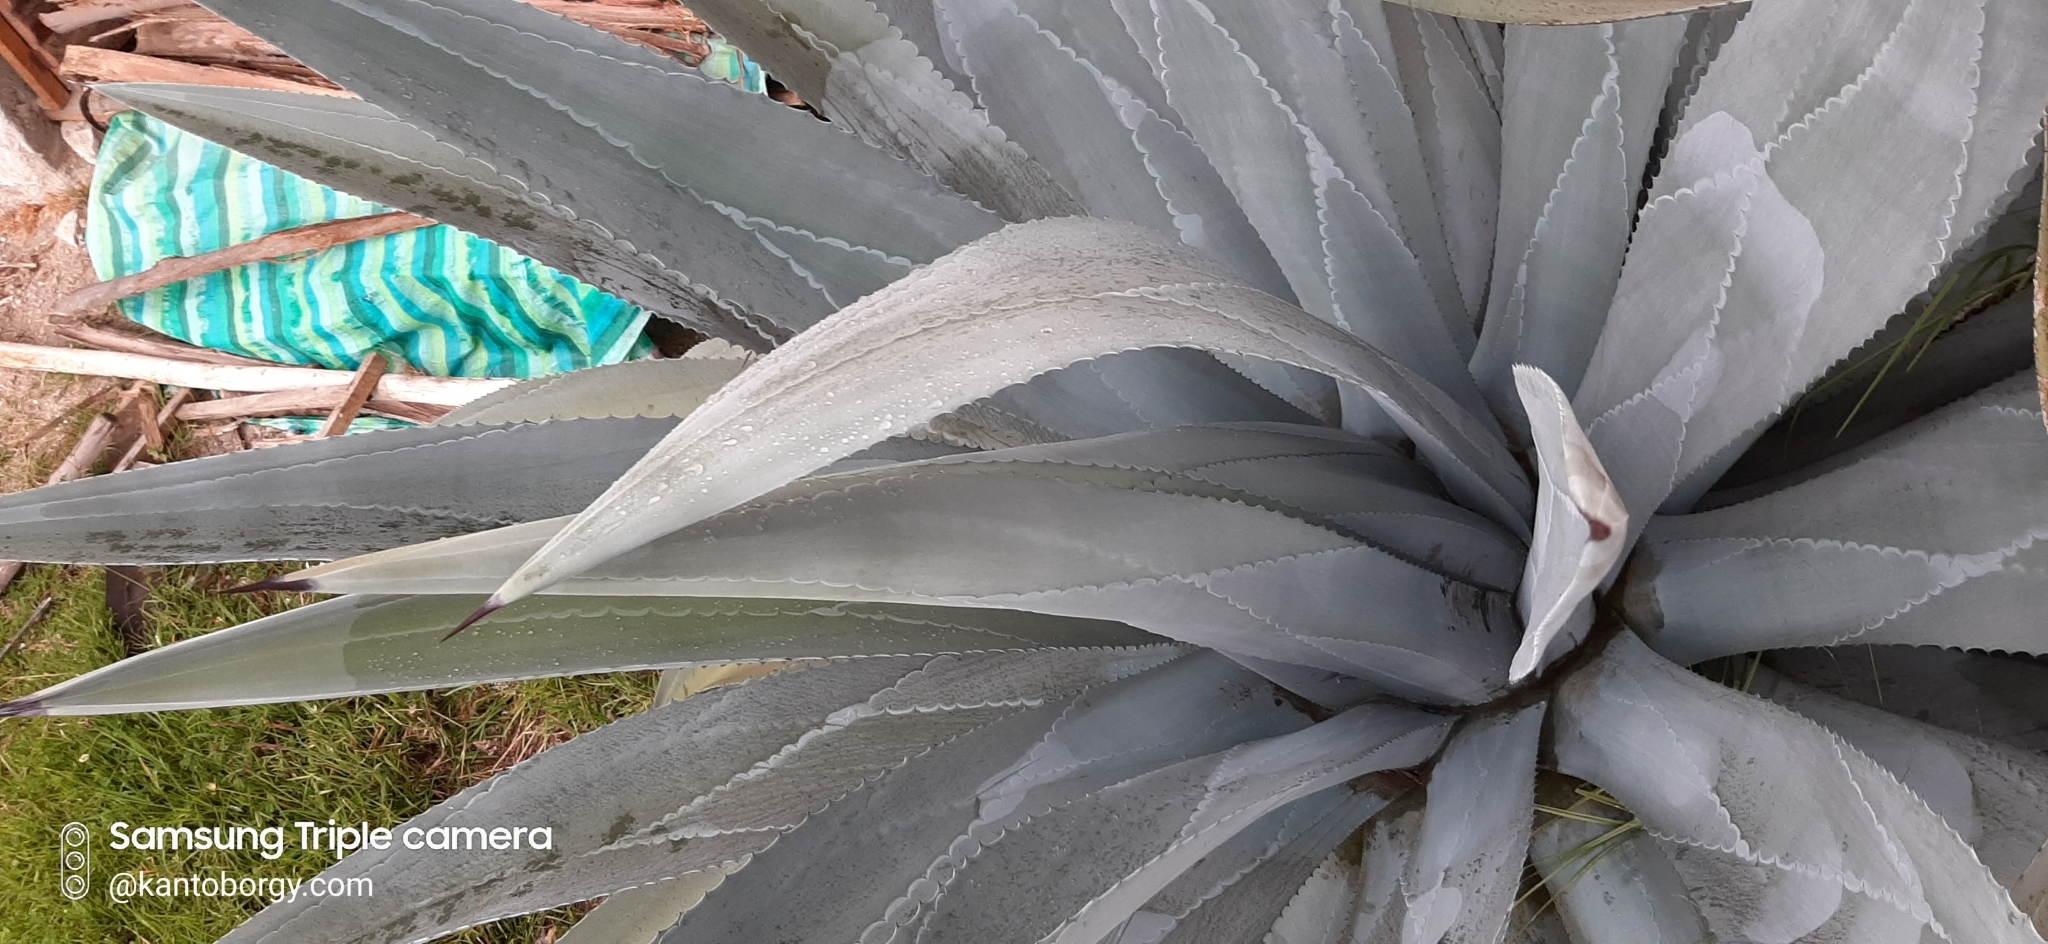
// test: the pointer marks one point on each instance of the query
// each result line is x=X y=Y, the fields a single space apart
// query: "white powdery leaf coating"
x=1625 y=891
x=1990 y=794
x=1580 y=527
x=1018 y=67
x=1461 y=879
x=1580 y=116
x=610 y=795
x=1820 y=835
x=847 y=59
x=1320 y=910
x=665 y=387
x=1148 y=830
x=1459 y=130
x=1929 y=535
x=1380 y=911
x=1885 y=199
x=1240 y=890
x=1681 y=363
x=873 y=867
x=1256 y=142
x=1030 y=299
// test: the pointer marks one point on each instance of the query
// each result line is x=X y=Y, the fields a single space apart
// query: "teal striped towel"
x=447 y=303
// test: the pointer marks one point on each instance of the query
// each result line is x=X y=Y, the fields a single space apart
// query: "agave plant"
x=1205 y=472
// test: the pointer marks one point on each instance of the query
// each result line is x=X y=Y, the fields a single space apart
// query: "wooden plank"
x=27 y=57
x=163 y=419
x=355 y=396
x=108 y=65
x=301 y=403
x=415 y=388
x=154 y=345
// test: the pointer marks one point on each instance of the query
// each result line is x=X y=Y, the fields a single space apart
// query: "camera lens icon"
x=74 y=861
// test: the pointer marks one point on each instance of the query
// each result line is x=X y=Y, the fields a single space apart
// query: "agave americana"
x=1210 y=470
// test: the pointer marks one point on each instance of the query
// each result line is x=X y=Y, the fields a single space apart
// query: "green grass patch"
x=380 y=759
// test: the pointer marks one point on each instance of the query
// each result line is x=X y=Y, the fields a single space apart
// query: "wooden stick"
x=284 y=242
x=301 y=403
x=415 y=388
x=154 y=345
x=164 y=418
x=356 y=394
x=80 y=461
x=89 y=447
x=108 y=65
x=42 y=609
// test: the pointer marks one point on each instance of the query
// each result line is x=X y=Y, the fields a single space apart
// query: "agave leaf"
x=694 y=785
x=1990 y=794
x=1577 y=135
x=852 y=382
x=1199 y=206
x=1458 y=128
x=1158 y=825
x=722 y=206
x=360 y=645
x=358 y=148
x=1461 y=879
x=1380 y=910
x=1365 y=42
x=1611 y=883
x=1129 y=545
x=661 y=387
x=1149 y=389
x=1752 y=263
x=1018 y=66
x=1850 y=407
x=1580 y=527
x=848 y=60
x=1297 y=52
x=1253 y=139
x=1561 y=12
x=1321 y=908
x=330 y=498
x=1741 y=783
x=1340 y=256
x=1240 y=890
x=1827 y=167
x=1991 y=697
x=640 y=914
x=1928 y=535
x=849 y=869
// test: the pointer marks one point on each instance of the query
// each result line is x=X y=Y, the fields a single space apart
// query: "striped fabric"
x=446 y=302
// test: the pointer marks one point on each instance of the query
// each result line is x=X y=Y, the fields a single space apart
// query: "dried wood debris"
x=87 y=41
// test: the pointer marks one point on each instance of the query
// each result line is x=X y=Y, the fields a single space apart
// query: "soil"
x=41 y=259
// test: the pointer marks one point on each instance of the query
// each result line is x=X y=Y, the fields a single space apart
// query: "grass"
x=379 y=759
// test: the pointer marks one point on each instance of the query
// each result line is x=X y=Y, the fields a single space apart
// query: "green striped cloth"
x=447 y=303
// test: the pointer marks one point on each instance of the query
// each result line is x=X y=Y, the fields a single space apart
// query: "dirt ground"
x=42 y=257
